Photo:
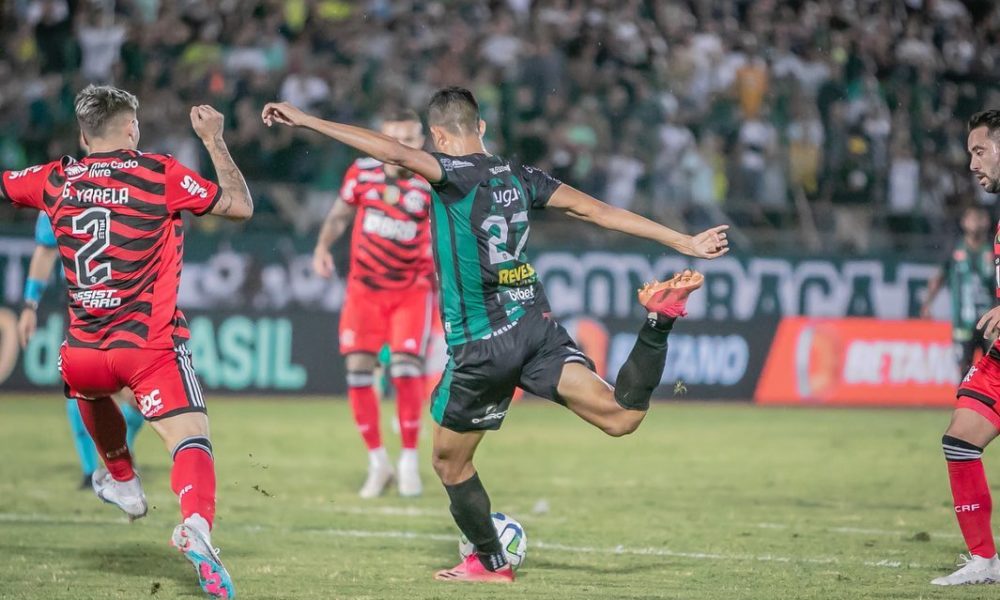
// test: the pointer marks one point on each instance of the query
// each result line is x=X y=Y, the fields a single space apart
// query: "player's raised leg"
x=133 y=416
x=973 y=426
x=470 y=507
x=620 y=409
x=90 y=383
x=118 y=483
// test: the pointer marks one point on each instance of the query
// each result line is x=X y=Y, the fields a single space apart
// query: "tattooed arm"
x=235 y=201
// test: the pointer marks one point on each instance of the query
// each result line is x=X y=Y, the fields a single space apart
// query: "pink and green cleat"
x=668 y=298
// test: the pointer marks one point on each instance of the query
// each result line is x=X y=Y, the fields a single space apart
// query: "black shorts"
x=478 y=383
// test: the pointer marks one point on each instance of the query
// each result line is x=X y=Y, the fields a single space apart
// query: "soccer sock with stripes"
x=470 y=506
x=193 y=478
x=133 y=423
x=364 y=406
x=408 y=379
x=643 y=369
x=973 y=503
x=85 y=449
x=107 y=428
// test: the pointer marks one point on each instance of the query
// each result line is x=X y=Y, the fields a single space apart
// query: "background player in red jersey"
x=976 y=422
x=116 y=215
x=389 y=298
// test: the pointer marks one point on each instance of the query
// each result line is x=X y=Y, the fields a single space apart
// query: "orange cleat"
x=668 y=298
x=472 y=569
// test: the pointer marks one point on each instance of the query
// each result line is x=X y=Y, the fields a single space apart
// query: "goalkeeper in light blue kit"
x=39 y=272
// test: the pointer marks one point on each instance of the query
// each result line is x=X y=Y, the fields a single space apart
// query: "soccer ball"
x=512 y=538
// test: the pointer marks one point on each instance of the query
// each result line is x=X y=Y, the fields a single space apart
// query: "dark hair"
x=399 y=116
x=455 y=109
x=97 y=106
x=987 y=118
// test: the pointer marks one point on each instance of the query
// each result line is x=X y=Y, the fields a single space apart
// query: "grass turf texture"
x=704 y=501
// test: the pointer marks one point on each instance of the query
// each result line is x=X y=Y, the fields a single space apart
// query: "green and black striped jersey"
x=480 y=231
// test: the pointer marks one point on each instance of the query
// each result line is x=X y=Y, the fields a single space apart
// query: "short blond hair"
x=98 y=105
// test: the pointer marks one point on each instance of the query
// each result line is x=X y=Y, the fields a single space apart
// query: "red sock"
x=409 y=404
x=106 y=425
x=973 y=503
x=364 y=405
x=193 y=478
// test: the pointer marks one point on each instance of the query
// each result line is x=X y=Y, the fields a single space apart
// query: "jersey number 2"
x=499 y=241
x=97 y=223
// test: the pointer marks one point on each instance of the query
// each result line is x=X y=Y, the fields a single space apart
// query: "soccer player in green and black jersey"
x=969 y=272
x=497 y=324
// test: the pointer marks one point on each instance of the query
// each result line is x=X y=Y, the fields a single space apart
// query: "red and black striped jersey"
x=390 y=243
x=116 y=218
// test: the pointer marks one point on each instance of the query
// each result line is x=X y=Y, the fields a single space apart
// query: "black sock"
x=470 y=506
x=641 y=373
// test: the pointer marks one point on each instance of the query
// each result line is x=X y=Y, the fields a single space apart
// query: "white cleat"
x=973 y=569
x=380 y=475
x=126 y=495
x=409 y=475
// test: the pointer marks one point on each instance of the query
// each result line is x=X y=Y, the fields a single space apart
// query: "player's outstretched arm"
x=334 y=225
x=712 y=243
x=371 y=143
x=235 y=202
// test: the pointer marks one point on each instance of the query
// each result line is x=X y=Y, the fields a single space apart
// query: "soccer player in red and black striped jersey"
x=975 y=423
x=116 y=215
x=390 y=297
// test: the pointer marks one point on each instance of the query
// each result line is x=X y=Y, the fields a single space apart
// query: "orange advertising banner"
x=860 y=362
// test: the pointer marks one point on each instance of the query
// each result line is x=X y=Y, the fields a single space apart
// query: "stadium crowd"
x=830 y=118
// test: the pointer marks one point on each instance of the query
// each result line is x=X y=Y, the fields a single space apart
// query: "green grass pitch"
x=703 y=502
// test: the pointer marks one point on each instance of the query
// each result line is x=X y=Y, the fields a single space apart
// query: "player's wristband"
x=33 y=290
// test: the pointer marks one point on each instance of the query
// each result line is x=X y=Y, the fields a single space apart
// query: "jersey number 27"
x=499 y=230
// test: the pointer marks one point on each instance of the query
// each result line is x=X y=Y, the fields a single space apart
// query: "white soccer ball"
x=512 y=538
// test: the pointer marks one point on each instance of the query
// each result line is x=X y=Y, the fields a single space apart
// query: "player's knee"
x=621 y=424
x=449 y=468
x=957 y=449
x=360 y=362
x=409 y=366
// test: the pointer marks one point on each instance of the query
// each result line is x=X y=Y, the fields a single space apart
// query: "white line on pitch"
x=621 y=550
x=864 y=531
x=437 y=537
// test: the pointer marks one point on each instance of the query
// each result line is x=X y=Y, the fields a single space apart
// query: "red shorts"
x=372 y=318
x=163 y=381
x=980 y=389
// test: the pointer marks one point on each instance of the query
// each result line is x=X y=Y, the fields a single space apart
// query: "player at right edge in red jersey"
x=975 y=421
x=389 y=298
x=116 y=215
